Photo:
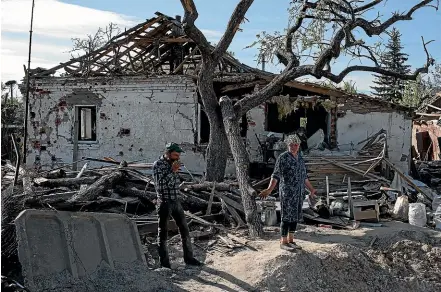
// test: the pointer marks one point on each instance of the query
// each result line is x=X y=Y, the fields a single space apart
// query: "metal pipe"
x=25 y=138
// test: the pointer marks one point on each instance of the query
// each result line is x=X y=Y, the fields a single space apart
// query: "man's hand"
x=175 y=166
x=263 y=194
x=312 y=193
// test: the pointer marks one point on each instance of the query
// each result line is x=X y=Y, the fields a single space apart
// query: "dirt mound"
x=409 y=259
x=401 y=266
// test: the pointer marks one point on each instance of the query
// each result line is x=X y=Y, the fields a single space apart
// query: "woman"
x=290 y=173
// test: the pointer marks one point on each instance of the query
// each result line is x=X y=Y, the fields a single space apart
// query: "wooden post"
x=17 y=163
x=327 y=190
x=350 y=203
x=75 y=141
x=210 y=202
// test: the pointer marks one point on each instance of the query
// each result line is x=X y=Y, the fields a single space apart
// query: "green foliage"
x=285 y=105
x=308 y=41
x=346 y=86
x=415 y=92
x=387 y=87
x=434 y=79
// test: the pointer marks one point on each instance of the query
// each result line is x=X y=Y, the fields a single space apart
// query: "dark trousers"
x=173 y=208
x=287 y=227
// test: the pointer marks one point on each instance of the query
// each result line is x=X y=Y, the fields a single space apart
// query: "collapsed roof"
x=159 y=46
x=156 y=46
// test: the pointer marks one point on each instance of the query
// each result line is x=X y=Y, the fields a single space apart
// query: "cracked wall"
x=136 y=117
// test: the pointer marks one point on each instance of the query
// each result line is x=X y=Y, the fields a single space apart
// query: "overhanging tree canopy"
x=340 y=18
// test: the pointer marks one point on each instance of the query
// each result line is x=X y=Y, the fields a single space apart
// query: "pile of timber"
x=338 y=168
x=117 y=189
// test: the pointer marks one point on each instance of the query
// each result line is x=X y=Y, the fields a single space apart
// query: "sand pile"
x=405 y=265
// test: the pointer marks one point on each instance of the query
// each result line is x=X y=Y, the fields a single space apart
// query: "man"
x=290 y=173
x=167 y=189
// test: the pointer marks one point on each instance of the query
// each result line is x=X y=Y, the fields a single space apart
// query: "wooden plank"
x=435 y=107
x=351 y=206
x=357 y=171
x=233 y=213
x=429 y=115
x=210 y=201
x=203 y=221
x=75 y=140
x=407 y=179
x=327 y=191
x=230 y=202
x=227 y=241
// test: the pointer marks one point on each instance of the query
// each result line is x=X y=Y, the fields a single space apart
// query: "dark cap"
x=173 y=147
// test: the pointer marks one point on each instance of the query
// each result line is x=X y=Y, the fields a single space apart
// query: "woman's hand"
x=265 y=193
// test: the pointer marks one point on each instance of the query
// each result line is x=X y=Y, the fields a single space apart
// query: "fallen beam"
x=152 y=227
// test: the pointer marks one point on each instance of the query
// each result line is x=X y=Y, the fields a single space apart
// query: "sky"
x=57 y=21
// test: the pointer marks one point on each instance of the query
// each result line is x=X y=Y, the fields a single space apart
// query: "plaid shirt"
x=166 y=181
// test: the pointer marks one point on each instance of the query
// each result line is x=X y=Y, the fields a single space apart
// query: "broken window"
x=86 y=123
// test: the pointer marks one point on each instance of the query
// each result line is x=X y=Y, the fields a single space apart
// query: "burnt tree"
x=310 y=24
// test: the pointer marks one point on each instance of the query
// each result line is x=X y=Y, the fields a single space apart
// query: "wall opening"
x=204 y=126
x=204 y=130
x=86 y=123
x=312 y=118
x=424 y=145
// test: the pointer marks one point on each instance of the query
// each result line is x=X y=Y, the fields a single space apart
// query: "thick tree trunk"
x=217 y=152
x=231 y=122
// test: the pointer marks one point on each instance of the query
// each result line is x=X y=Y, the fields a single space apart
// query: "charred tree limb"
x=207 y=186
x=233 y=26
x=190 y=16
x=99 y=187
x=131 y=192
x=64 y=182
x=194 y=203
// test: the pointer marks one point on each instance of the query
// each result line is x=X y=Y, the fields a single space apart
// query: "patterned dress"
x=290 y=172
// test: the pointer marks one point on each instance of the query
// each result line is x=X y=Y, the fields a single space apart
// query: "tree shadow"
x=225 y=276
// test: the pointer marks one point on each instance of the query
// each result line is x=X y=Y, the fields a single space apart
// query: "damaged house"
x=426 y=137
x=129 y=98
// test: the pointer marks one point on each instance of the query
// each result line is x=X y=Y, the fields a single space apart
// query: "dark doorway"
x=205 y=127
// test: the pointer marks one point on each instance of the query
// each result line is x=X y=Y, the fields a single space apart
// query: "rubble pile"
x=354 y=189
x=429 y=173
x=118 y=189
x=402 y=266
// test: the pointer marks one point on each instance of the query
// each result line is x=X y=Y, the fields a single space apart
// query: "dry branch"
x=99 y=187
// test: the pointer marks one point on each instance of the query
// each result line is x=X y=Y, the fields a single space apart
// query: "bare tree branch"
x=236 y=20
x=338 y=78
x=321 y=68
x=371 y=29
x=335 y=48
x=190 y=16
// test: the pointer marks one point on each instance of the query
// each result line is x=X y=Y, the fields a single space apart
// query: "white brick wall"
x=157 y=110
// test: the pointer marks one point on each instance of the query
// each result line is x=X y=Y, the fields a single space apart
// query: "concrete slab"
x=76 y=251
